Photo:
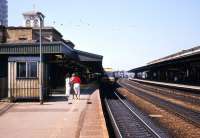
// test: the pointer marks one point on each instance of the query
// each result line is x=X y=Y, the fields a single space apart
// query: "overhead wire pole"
x=41 y=68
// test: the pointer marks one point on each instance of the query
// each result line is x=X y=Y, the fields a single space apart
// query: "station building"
x=20 y=70
x=181 y=67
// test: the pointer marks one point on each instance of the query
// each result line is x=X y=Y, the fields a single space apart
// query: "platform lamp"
x=41 y=18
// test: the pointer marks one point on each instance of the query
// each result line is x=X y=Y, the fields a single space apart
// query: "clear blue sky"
x=128 y=33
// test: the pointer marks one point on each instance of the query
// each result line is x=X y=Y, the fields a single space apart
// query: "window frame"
x=18 y=69
x=30 y=69
x=27 y=70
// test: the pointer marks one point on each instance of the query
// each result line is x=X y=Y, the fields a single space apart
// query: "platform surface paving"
x=57 y=118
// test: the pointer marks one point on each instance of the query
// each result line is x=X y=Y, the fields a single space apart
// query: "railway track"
x=128 y=122
x=173 y=93
x=187 y=114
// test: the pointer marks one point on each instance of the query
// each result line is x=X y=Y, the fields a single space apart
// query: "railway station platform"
x=56 y=118
x=174 y=85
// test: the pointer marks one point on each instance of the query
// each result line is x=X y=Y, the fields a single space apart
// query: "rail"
x=185 y=113
x=125 y=121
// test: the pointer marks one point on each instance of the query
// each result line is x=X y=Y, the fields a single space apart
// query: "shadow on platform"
x=62 y=97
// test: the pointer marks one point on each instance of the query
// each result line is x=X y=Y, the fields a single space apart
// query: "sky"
x=127 y=33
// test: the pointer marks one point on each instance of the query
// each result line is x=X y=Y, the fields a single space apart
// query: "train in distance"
x=112 y=75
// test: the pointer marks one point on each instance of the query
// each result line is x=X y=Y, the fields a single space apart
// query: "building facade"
x=24 y=75
x=4 y=12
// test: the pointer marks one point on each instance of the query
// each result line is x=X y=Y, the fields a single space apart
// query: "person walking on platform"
x=67 y=86
x=76 y=81
x=72 y=85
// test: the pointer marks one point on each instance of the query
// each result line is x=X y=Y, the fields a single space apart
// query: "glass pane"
x=21 y=69
x=32 y=69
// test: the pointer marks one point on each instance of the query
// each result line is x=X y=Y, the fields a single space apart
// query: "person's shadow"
x=60 y=98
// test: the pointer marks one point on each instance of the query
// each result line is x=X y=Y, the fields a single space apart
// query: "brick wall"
x=19 y=35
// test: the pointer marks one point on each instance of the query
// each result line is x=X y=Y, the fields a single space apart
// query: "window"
x=32 y=69
x=36 y=23
x=22 y=38
x=27 y=70
x=28 y=23
x=21 y=70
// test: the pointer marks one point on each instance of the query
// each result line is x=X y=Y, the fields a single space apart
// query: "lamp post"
x=41 y=17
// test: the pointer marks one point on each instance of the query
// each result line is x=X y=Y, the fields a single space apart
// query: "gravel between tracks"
x=176 y=126
x=177 y=101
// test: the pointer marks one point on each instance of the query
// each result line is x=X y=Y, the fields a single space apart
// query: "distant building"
x=4 y=12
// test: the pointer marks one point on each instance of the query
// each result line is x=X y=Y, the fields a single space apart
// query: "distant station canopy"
x=32 y=19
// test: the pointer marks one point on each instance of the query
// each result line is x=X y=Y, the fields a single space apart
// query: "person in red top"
x=76 y=81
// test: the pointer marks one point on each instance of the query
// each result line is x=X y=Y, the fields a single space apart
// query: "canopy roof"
x=178 y=55
x=85 y=56
x=184 y=55
x=47 y=48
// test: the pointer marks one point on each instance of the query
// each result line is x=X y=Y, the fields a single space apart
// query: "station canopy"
x=179 y=57
x=53 y=48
